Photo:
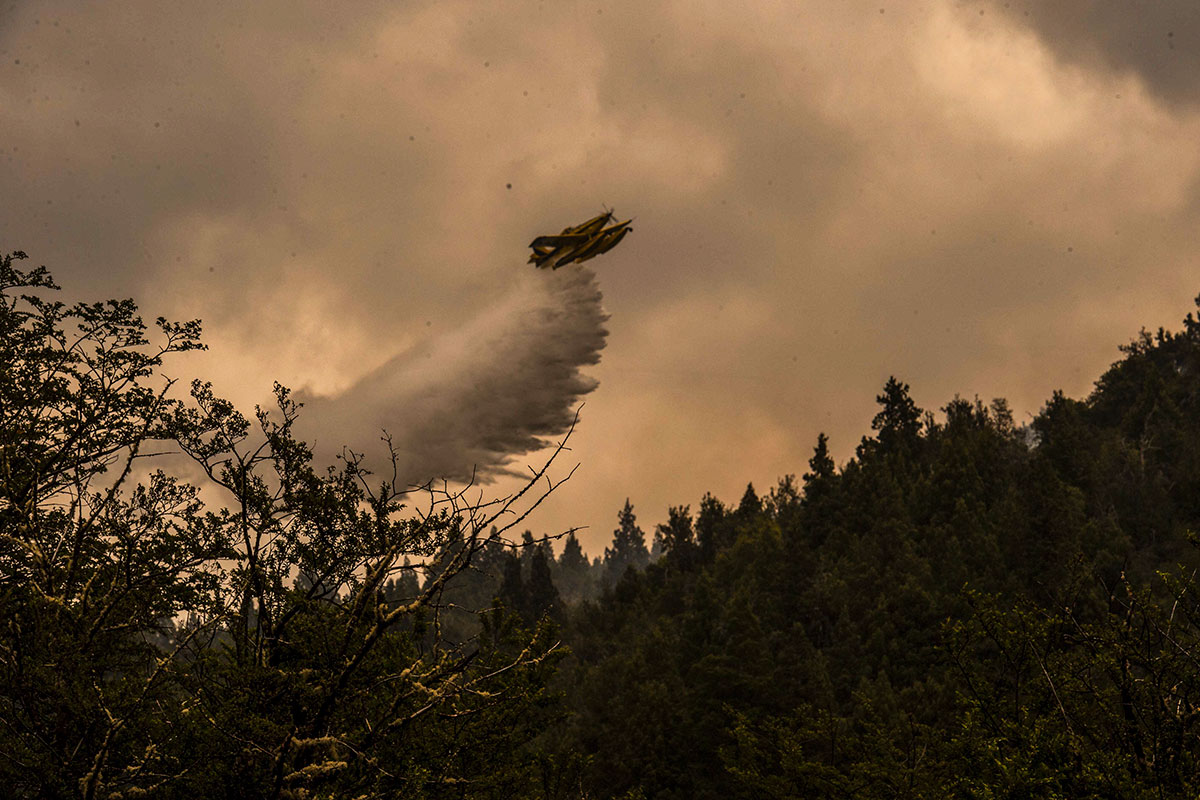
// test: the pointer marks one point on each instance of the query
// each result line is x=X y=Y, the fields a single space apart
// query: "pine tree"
x=628 y=547
x=574 y=575
x=542 y=596
x=676 y=538
x=821 y=464
x=528 y=545
x=404 y=588
x=750 y=505
x=899 y=421
x=711 y=533
x=512 y=591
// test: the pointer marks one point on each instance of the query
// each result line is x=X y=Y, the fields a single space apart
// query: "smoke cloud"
x=470 y=401
x=1158 y=42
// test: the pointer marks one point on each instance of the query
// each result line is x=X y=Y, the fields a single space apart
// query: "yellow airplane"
x=570 y=235
x=578 y=243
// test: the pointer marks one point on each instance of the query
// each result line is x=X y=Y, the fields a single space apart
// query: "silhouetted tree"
x=712 y=532
x=277 y=647
x=898 y=423
x=750 y=505
x=512 y=592
x=573 y=573
x=543 y=597
x=628 y=546
x=676 y=538
x=962 y=609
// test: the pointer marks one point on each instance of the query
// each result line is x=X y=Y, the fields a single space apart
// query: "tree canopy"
x=967 y=607
x=280 y=645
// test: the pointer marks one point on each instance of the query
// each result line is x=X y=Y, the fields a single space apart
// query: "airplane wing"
x=590 y=250
x=603 y=243
x=619 y=228
x=591 y=227
x=562 y=240
x=568 y=254
x=614 y=238
x=541 y=255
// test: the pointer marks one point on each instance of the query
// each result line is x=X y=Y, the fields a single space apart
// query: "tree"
x=750 y=505
x=821 y=466
x=899 y=420
x=274 y=647
x=512 y=592
x=676 y=538
x=1084 y=702
x=543 y=597
x=575 y=576
x=93 y=573
x=961 y=610
x=712 y=529
x=628 y=546
x=402 y=589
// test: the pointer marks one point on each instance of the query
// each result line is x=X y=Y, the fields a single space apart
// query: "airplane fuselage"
x=578 y=243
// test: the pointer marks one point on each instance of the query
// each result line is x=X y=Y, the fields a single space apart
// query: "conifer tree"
x=542 y=595
x=512 y=592
x=573 y=572
x=899 y=420
x=676 y=537
x=628 y=546
x=821 y=465
x=750 y=505
x=711 y=527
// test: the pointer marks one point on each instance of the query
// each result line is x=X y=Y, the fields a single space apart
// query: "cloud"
x=1158 y=41
x=824 y=195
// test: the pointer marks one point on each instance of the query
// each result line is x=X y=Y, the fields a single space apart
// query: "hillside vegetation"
x=966 y=608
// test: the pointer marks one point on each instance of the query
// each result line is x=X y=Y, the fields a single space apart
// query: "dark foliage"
x=966 y=608
x=280 y=646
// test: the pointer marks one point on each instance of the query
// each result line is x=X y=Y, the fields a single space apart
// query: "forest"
x=967 y=608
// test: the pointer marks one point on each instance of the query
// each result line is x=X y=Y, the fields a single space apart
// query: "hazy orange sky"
x=980 y=198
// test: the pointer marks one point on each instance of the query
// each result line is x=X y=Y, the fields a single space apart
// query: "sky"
x=983 y=199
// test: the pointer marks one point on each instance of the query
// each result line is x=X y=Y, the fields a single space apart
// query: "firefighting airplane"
x=578 y=243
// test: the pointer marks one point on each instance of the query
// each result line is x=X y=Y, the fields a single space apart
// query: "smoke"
x=1158 y=42
x=469 y=402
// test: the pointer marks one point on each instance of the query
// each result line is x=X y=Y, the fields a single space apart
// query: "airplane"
x=578 y=243
x=570 y=235
x=605 y=241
